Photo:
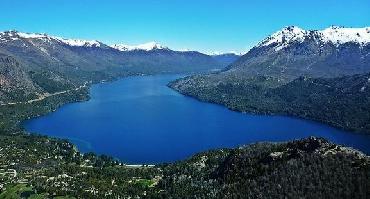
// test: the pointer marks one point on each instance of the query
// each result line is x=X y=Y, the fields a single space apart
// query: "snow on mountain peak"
x=15 y=35
x=31 y=35
x=147 y=47
x=79 y=42
x=334 y=34
x=151 y=46
x=285 y=36
x=340 y=35
x=217 y=53
x=121 y=47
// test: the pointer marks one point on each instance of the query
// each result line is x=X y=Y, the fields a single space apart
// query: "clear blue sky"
x=205 y=25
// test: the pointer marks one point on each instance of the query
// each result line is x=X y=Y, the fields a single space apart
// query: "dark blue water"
x=141 y=120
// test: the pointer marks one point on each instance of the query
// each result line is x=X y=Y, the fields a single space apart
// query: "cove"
x=140 y=120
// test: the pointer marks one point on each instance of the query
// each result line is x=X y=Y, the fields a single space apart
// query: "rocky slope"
x=15 y=83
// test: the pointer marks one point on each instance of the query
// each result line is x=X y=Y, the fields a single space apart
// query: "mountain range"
x=66 y=63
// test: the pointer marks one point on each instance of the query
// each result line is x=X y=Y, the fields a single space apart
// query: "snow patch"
x=334 y=34
x=31 y=35
x=285 y=36
x=217 y=53
x=79 y=42
x=341 y=35
x=15 y=35
x=146 y=46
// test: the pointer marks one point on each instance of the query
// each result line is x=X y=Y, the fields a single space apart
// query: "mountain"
x=317 y=75
x=293 y=52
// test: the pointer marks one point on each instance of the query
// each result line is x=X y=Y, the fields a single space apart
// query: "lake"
x=141 y=120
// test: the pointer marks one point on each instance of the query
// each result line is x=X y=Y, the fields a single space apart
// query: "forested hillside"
x=341 y=102
x=307 y=168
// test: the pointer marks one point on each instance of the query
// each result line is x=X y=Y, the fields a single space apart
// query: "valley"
x=294 y=72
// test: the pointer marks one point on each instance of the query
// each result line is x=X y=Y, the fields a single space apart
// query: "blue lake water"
x=141 y=120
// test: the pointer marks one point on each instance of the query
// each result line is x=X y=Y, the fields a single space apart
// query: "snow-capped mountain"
x=293 y=52
x=146 y=47
x=335 y=35
x=15 y=35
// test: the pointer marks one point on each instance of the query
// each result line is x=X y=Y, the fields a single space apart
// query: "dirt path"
x=45 y=95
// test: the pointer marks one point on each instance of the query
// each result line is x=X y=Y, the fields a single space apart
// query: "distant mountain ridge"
x=119 y=54
x=147 y=47
x=226 y=58
x=75 y=61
